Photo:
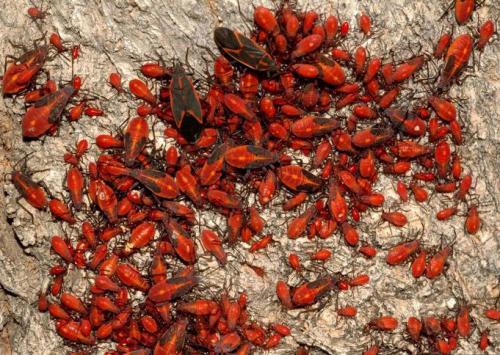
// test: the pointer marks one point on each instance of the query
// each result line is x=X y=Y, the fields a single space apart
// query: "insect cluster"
x=289 y=111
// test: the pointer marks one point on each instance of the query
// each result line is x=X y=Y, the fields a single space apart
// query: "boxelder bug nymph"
x=20 y=75
x=456 y=58
x=30 y=190
x=46 y=113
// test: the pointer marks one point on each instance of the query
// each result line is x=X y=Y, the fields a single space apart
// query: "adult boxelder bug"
x=243 y=50
x=185 y=105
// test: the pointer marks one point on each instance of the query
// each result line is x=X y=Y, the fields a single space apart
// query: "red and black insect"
x=249 y=157
x=260 y=124
x=456 y=59
x=185 y=105
x=20 y=75
x=243 y=50
x=135 y=139
x=32 y=192
x=46 y=113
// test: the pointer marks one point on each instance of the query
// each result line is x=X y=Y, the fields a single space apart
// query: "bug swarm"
x=290 y=116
